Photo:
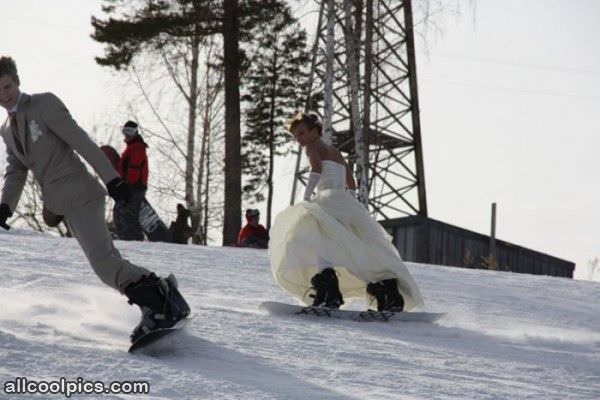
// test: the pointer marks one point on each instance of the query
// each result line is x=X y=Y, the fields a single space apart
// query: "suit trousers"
x=87 y=224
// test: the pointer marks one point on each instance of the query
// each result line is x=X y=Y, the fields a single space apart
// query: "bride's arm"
x=315 y=171
x=350 y=182
x=314 y=158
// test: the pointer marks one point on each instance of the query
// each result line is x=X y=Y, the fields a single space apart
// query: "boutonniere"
x=34 y=130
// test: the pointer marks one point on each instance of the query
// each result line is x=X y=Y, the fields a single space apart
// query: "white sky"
x=509 y=110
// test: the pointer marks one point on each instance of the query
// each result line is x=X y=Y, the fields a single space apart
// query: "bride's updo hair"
x=311 y=120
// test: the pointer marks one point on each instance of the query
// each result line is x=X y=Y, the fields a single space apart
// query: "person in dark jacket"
x=253 y=234
x=133 y=168
x=180 y=228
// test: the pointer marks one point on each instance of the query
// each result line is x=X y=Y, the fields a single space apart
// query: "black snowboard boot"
x=395 y=301
x=161 y=303
x=327 y=291
x=387 y=295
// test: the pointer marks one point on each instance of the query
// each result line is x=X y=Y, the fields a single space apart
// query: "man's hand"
x=5 y=214
x=118 y=190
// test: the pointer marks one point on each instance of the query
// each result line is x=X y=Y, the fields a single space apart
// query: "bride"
x=328 y=248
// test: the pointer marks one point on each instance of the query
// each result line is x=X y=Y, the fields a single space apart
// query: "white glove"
x=313 y=179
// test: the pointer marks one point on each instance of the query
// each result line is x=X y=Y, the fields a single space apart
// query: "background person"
x=253 y=234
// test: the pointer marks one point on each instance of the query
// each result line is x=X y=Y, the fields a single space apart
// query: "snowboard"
x=276 y=308
x=157 y=334
x=154 y=228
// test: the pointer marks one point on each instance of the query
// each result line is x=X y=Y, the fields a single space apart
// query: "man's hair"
x=8 y=67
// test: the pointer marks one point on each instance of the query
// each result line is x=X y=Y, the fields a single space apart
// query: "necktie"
x=15 y=132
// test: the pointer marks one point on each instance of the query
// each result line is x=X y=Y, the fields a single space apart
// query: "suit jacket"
x=50 y=137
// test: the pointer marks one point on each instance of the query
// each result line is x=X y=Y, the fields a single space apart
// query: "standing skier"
x=328 y=247
x=133 y=168
x=40 y=135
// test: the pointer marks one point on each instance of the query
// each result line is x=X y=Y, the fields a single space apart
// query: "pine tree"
x=165 y=26
x=275 y=83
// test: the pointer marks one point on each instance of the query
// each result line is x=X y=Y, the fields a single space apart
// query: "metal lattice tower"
x=367 y=65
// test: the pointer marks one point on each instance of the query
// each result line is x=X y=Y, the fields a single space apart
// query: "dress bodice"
x=333 y=175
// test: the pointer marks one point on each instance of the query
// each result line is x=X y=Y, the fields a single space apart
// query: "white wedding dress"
x=335 y=230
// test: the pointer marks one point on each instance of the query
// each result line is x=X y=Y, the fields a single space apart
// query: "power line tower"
x=364 y=74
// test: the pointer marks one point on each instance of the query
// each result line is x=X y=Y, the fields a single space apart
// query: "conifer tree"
x=160 y=27
x=275 y=89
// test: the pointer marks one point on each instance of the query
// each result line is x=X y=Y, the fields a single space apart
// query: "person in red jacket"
x=253 y=234
x=133 y=168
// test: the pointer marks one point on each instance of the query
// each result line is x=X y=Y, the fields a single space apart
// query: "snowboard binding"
x=387 y=295
x=326 y=287
x=161 y=304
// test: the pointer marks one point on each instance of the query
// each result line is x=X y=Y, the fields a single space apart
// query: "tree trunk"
x=190 y=197
x=352 y=63
x=206 y=192
x=272 y=138
x=233 y=170
x=198 y=217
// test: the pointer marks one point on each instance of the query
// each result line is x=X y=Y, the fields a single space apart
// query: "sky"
x=508 y=90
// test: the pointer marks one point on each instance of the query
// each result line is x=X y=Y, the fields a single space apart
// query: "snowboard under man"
x=41 y=136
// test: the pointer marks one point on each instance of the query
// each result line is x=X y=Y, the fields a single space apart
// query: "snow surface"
x=505 y=336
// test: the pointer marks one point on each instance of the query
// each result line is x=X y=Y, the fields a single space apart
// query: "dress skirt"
x=335 y=230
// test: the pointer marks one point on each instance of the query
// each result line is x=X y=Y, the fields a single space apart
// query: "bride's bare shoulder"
x=337 y=156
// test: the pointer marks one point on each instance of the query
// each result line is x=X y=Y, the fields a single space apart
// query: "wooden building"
x=425 y=240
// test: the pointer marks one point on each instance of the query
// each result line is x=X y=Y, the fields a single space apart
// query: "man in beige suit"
x=42 y=137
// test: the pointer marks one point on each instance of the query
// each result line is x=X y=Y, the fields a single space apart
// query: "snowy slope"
x=506 y=336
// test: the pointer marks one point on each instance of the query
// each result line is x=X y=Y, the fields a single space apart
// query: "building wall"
x=429 y=241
